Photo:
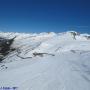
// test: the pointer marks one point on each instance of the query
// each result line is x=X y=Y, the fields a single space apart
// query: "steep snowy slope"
x=47 y=61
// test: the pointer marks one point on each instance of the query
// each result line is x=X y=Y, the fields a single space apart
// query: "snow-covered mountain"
x=47 y=61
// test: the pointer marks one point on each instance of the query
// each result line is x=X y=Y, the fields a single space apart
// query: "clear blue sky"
x=44 y=15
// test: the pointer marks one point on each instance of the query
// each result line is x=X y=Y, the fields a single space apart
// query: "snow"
x=64 y=65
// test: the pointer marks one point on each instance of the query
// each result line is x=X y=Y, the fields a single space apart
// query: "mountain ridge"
x=47 y=61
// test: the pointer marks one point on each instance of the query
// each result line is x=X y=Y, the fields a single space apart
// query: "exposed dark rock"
x=23 y=57
x=41 y=54
x=5 y=47
x=18 y=54
x=87 y=37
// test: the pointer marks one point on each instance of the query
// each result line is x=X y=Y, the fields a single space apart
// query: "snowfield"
x=47 y=61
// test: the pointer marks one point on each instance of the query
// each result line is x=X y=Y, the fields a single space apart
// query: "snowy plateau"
x=47 y=61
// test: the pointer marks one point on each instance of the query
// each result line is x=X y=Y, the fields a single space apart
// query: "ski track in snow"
x=63 y=65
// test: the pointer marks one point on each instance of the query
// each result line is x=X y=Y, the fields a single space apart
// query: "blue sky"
x=44 y=15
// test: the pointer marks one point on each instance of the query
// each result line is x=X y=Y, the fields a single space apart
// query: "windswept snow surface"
x=63 y=65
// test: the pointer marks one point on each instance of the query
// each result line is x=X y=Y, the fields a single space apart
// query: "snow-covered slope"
x=47 y=61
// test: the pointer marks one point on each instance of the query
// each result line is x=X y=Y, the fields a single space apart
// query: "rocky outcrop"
x=87 y=37
x=5 y=47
